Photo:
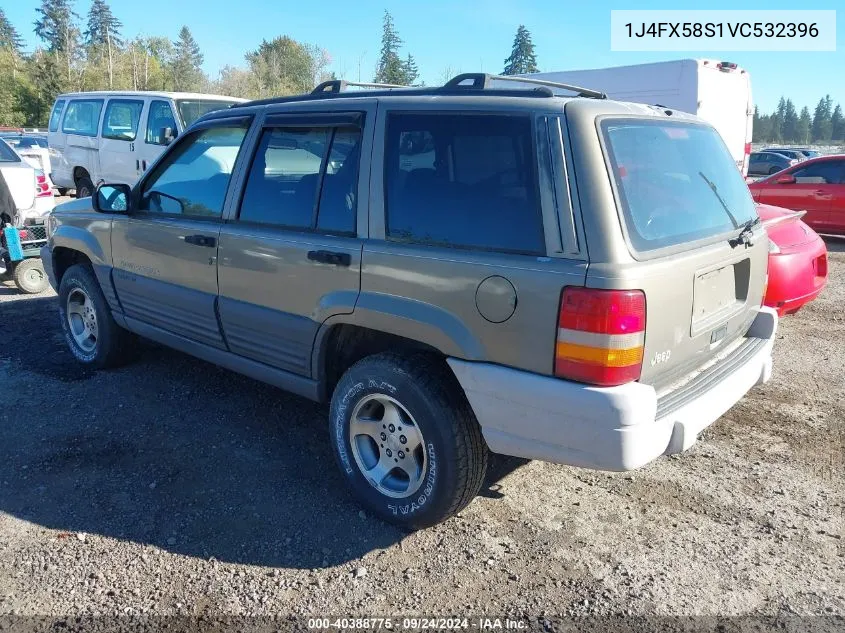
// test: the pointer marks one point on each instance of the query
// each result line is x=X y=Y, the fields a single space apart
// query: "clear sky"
x=457 y=35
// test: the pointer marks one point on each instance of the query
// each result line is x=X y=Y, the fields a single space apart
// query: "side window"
x=159 y=118
x=825 y=173
x=56 y=115
x=292 y=167
x=121 y=119
x=83 y=117
x=466 y=181
x=193 y=178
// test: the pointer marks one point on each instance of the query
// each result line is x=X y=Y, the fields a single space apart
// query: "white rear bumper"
x=615 y=428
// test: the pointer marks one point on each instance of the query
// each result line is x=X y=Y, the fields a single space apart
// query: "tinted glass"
x=56 y=115
x=338 y=196
x=193 y=178
x=464 y=181
x=192 y=109
x=83 y=117
x=121 y=120
x=159 y=118
x=676 y=182
x=282 y=185
x=7 y=154
x=827 y=172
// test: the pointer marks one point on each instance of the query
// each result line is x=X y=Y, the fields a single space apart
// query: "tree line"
x=786 y=125
x=77 y=54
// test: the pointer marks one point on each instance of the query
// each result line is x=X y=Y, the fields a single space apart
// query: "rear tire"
x=61 y=191
x=84 y=187
x=773 y=170
x=389 y=408
x=30 y=277
x=92 y=334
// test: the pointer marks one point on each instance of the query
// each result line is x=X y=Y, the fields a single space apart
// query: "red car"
x=816 y=186
x=797 y=260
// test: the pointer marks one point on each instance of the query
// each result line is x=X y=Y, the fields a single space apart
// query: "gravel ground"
x=173 y=487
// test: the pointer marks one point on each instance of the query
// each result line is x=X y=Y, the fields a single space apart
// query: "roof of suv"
x=528 y=93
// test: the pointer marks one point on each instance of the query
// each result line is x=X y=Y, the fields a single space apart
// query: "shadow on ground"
x=175 y=453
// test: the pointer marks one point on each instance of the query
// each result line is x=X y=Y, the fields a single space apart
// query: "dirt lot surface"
x=173 y=487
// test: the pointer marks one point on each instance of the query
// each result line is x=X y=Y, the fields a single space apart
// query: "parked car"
x=816 y=186
x=795 y=154
x=764 y=163
x=806 y=152
x=32 y=148
x=427 y=272
x=30 y=191
x=114 y=136
x=797 y=260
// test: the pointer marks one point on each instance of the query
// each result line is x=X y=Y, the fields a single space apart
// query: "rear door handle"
x=330 y=257
x=201 y=240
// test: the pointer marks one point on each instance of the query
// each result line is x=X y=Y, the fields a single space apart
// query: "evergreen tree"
x=9 y=36
x=776 y=122
x=412 y=73
x=822 y=120
x=103 y=36
x=103 y=26
x=837 y=124
x=57 y=27
x=390 y=69
x=805 y=123
x=522 y=59
x=790 y=122
x=187 y=61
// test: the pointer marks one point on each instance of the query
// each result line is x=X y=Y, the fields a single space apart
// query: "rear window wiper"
x=715 y=191
x=745 y=234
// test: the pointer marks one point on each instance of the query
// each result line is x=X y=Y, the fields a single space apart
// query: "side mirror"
x=168 y=134
x=111 y=198
x=786 y=179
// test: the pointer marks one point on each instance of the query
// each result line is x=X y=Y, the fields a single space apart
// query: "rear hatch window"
x=192 y=109
x=675 y=182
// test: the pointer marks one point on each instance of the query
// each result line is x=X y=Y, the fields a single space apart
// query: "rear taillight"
x=748 y=149
x=601 y=335
x=821 y=266
x=42 y=186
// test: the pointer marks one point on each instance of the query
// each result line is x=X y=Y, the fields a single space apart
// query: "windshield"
x=7 y=154
x=676 y=182
x=192 y=109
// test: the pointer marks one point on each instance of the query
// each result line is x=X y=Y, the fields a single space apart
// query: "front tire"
x=406 y=439
x=84 y=187
x=29 y=276
x=87 y=323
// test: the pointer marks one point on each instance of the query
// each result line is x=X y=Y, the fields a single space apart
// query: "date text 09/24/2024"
x=722 y=29
x=415 y=624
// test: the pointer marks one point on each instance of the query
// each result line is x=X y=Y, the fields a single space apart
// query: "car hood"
x=77 y=205
x=785 y=227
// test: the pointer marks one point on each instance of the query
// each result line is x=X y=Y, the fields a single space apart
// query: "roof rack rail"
x=334 y=86
x=483 y=81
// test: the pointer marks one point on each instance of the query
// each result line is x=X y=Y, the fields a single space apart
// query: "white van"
x=718 y=92
x=115 y=136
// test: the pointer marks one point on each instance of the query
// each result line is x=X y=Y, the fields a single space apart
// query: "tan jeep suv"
x=457 y=270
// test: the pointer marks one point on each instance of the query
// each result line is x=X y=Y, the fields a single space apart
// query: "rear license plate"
x=714 y=296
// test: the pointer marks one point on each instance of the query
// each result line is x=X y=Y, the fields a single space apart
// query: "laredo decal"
x=146 y=271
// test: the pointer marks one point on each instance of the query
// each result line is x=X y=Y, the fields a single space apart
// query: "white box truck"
x=719 y=92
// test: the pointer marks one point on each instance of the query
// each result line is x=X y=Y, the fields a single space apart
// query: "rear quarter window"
x=675 y=182
x=56 y=115
x=463 y=181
